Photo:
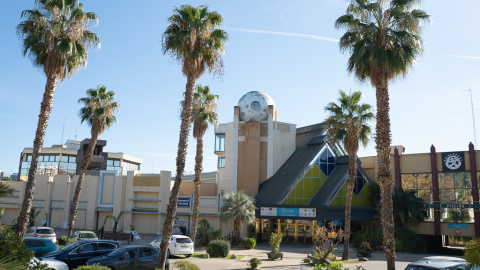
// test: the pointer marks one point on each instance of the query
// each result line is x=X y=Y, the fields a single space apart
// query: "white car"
x=179 y=245
x=42 y=232
x=51 y=263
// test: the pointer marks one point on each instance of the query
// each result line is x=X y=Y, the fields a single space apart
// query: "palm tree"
x=204 y=112
x=347 y=124
x=407 y=207
x=241 y=208
x=384 y=40
x=472 y=254
x=5 y=189
x=192 y=38
x=116 y=220
x=56 y=37
x=98 y=111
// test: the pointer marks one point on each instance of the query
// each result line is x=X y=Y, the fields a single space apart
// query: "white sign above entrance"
x=268 y=211
x=307 y=212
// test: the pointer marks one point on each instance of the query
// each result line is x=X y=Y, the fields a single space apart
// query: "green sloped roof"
x=309 y=142
x=332 y=185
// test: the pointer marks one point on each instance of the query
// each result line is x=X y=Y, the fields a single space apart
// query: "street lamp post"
x=473 y=118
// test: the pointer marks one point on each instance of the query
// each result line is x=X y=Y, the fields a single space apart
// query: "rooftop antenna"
x=63 y=129
x=76 y=129
x=473 y=118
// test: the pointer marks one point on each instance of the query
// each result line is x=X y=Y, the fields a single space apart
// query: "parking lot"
x=292 y=259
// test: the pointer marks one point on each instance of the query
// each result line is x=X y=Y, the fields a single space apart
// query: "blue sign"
x=183 y=202
x=336 y=222
x=288 y=212
x=457 y=226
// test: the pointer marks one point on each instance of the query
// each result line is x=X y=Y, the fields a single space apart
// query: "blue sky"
x=287 y=49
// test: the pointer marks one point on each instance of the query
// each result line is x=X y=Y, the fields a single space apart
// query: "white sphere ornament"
x=254 y=105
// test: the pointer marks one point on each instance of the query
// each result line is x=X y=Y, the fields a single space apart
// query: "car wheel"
x=168 y=253
x=188 y=255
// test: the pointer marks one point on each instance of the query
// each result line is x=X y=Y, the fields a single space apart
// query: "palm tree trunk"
x=182 y=151
x=78 y=189
x=236 y=232
x=45 y=110
x=352 y=169
x=196 y=195
x=384 y=176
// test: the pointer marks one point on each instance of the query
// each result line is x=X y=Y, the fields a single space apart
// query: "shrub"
x=357 y=239
x=185 y=265
x=275 y=240
x=92 y=267
x=218 y=248
x=254 y=262
x=63 y=241
x=408 y=241
x=249 y=243
x=12 y=246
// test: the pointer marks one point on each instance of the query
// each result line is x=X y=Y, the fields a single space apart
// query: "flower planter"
x=364 y=253
x=273 y=256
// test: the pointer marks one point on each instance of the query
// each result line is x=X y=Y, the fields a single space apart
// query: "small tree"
x=241 y=208
x=116 y=220
x=275 y=240
x=325 y=240
x=33 y=215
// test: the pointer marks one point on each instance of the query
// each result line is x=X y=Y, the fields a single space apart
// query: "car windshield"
x=117 y=252
x=45 y=231
x=71 y=246
x=87 y=235
x=184 y=240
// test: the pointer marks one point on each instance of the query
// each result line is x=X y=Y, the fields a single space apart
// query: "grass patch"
x=200 y=256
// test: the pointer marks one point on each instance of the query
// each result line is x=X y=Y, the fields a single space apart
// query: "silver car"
x=51 y=263
x=42 y=232
x=437 y=263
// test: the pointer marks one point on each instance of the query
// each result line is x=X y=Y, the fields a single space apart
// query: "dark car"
x=41 y=246
x=130 y=257
x=79 y=252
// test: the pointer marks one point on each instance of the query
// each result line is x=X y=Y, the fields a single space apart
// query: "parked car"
x=179 y=245
x=83 y=235
x=130 y=257
x=41 y=232
x=437 y=263
x=52 y=264
x=79 y=252
x=41 y=246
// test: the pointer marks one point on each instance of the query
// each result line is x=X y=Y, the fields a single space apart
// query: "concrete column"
x=398 y=176
x=129 y=196
x=473 y=175
x=91 y=214
x=436 y=191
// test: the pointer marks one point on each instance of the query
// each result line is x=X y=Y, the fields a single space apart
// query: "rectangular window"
x=221 y=162
x=219 y=142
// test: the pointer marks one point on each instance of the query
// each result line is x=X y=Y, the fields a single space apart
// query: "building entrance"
x=293 y=231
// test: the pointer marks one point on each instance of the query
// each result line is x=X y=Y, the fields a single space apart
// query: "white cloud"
x=284 y=34
x=462 y=56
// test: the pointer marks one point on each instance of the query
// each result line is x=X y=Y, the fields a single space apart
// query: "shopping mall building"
x=296 y=176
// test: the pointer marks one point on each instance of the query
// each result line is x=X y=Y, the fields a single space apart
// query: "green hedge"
x=408 y=241
x=186 y=265
x=249 y=243
x=63 y=241
x=218 y=248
